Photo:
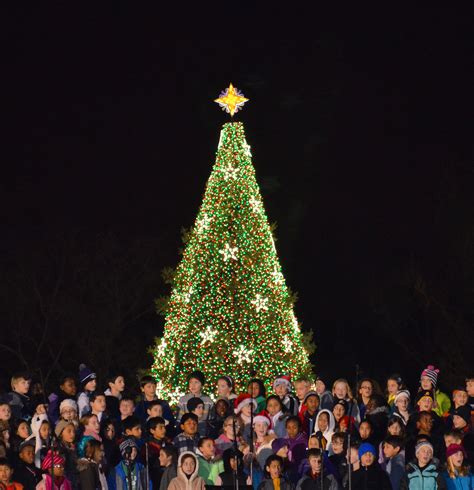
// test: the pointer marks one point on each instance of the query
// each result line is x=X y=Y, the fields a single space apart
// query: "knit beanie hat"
x=310 y=393
x=68 y=403
x=366 y=447
x=86 y=374
x=242 y=400
x=127 y=445
x=282 y=380
x=453 y=449
x=50 y=460
x=424 y=394
x=343 y=403
x=464 y=412
x=402 y=394
x=432 y=374
x=277 y=444
x=61 y=425
x=193 y=403
x=197 y=375
x=421 y=444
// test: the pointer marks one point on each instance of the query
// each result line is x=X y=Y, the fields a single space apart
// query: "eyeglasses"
x=58 y=466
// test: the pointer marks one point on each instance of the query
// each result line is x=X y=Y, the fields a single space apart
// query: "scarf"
x=59 y=483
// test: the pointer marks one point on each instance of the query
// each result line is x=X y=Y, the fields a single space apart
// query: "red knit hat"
x=454 y=448
x=242 y=400
x=51 y=459
x=263 y=417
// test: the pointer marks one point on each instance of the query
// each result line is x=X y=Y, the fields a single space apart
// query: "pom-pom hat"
x=51 y=459
x=432 y=374
x=86 y=374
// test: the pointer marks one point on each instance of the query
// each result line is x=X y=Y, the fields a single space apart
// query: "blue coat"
x=117 y=479
x=460 y=482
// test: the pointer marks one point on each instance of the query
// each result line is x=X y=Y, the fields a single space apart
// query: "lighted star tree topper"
x=230 y=310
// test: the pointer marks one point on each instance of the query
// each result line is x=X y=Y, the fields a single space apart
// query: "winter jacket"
x=182 y=482
x=54 y=401
x=309 y=483
x=209 y=470
x=309 y=422
x=443 y=403
x=297 y=449
x=267 y=484
x=395 y=468
x=370 y=478
x=326 y=400
x=279 y=424
x=44 y=485
x=169 y=473
x=117 y=478
x=28 y=475
x=19 y=406
x=459 y=483
x=327 y=434
x=141 y=413
x=89 y=474
x=427 y=478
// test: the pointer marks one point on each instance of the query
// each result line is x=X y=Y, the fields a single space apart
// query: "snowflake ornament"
x=160 y=349
x=246 y=148
x=277 y=276
x=229 y=252
x=203 y=223
x=243 y=354
x=287 y=344
x=208 y=335
x=255 y=204
x=260 y=303
x=230 y=172
x=187 y=295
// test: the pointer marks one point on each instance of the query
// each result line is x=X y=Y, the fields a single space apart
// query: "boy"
x=26 y=473
x=113 y=394
x=453 y=437
x=338 y=458
x=209 y=468
x=313 y=477
x=155 y=409
x=169 y=463
x=309 y=414
x=196 y=405
x=370 y=474
x=6 y=472
x=156 y=431
x=98 y=405
x=132 y=427
x=5 y=411
x=18 y=398
x=422 y=473
x=148 y=389
x=88 y=382
x=394 y=463
x=325 y=396
x=196 y=382
x=126 y=409
x=302 y=387
x=273 y=474
x=189 y=438
x=67 y=390
x=282 y=387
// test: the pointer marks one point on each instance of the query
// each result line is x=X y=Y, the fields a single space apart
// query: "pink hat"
x=432 y=374
x=454 y=448
x=51 y=459
x=263 y=417
x=242 y=400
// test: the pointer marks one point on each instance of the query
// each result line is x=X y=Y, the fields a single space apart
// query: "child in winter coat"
x=233 y=470
x=196 y=381
x=6 y=473
x=428 y=382
x=230 y=436
x=53 y=467
x=244 y=404
x=189 y=438
x=457 y=474
x=26 y=472
x=88 y=381
x=67 y=390
x=169 y=466
x=342 y=391
x=394 y=461
x=324 y=427
x=188 y=477
x=312 y=479
x=91 y=475
x=325 y=395
x=275 y=410
x=308 y=415
x=370 y=475
x=422 y=474
x=297 y=441
x=209 y=466
x=274 y=479
x=282 y=388
x=256 y=390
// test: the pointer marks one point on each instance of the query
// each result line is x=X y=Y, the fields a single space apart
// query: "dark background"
x=362 y=143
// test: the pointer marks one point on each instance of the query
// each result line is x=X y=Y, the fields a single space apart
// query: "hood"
x=332 y=422
x=180 y=471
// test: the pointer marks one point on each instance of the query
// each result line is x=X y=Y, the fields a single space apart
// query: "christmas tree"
x=230 y=310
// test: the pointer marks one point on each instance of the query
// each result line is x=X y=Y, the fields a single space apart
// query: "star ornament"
x=231 y=100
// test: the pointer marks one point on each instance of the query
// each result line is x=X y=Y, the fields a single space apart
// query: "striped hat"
x=51 y=459
x=432 y=374
x=421 y=444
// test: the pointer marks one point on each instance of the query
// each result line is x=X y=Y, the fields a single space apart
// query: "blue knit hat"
x=367 y=448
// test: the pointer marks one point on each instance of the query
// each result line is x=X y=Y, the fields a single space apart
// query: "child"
x=88 y=382
x=132 y=427
x=4 y=439
x=148 y=389
x=91 y=474
x=256 y=390
x=273 y=473
x=325 y=427
x=298 y=442
x=168 y=463
x=453 y=436
x=113 y=394
x=275 y=410
x=68 y=411
x=308 y=416
x=230 y=436
x=156 y=428
x=26 y=472
x=196 y=382
x=393 y=386
x=316 y=478
x=6 y=473
x=339 y=410
x=370 y=475
x=154 y=409
x=222 y=410
x=66 y=434
x=462 y=422
x=5 y=411
x=187 y=440
x=243 y=406
x=209 y=467
x=338 y=457
x=233 y=473
x=67 y=390
x=263 y=440
x=188 y=477
x=18 y=398
x=377 y=415
x=394 y=461
x=325 y=395
x=225 y=388
x=457 y=474
x=40 y=432
x=428 y=382
x=196 y=405
x=126 y=409
x=302 y=387
x=342 y=391
x=129 y=472
x=98 y=405
x=53 y=464
x=282 y=388
x=91 y=430
x=422 y=473
x=21 y=432
x=401 y=406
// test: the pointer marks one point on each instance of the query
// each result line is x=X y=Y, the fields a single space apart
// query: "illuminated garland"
x=230 y=311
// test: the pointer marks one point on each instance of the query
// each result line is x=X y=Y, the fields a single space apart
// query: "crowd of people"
x=306 y=434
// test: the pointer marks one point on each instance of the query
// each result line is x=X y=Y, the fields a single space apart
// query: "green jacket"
x=209 y=470
x=443 y=403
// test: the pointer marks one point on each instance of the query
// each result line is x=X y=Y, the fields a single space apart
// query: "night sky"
x=361 y=140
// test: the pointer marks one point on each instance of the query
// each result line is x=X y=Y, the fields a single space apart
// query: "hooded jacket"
x=182 y=482
x=327 y=434
x=427 y=478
